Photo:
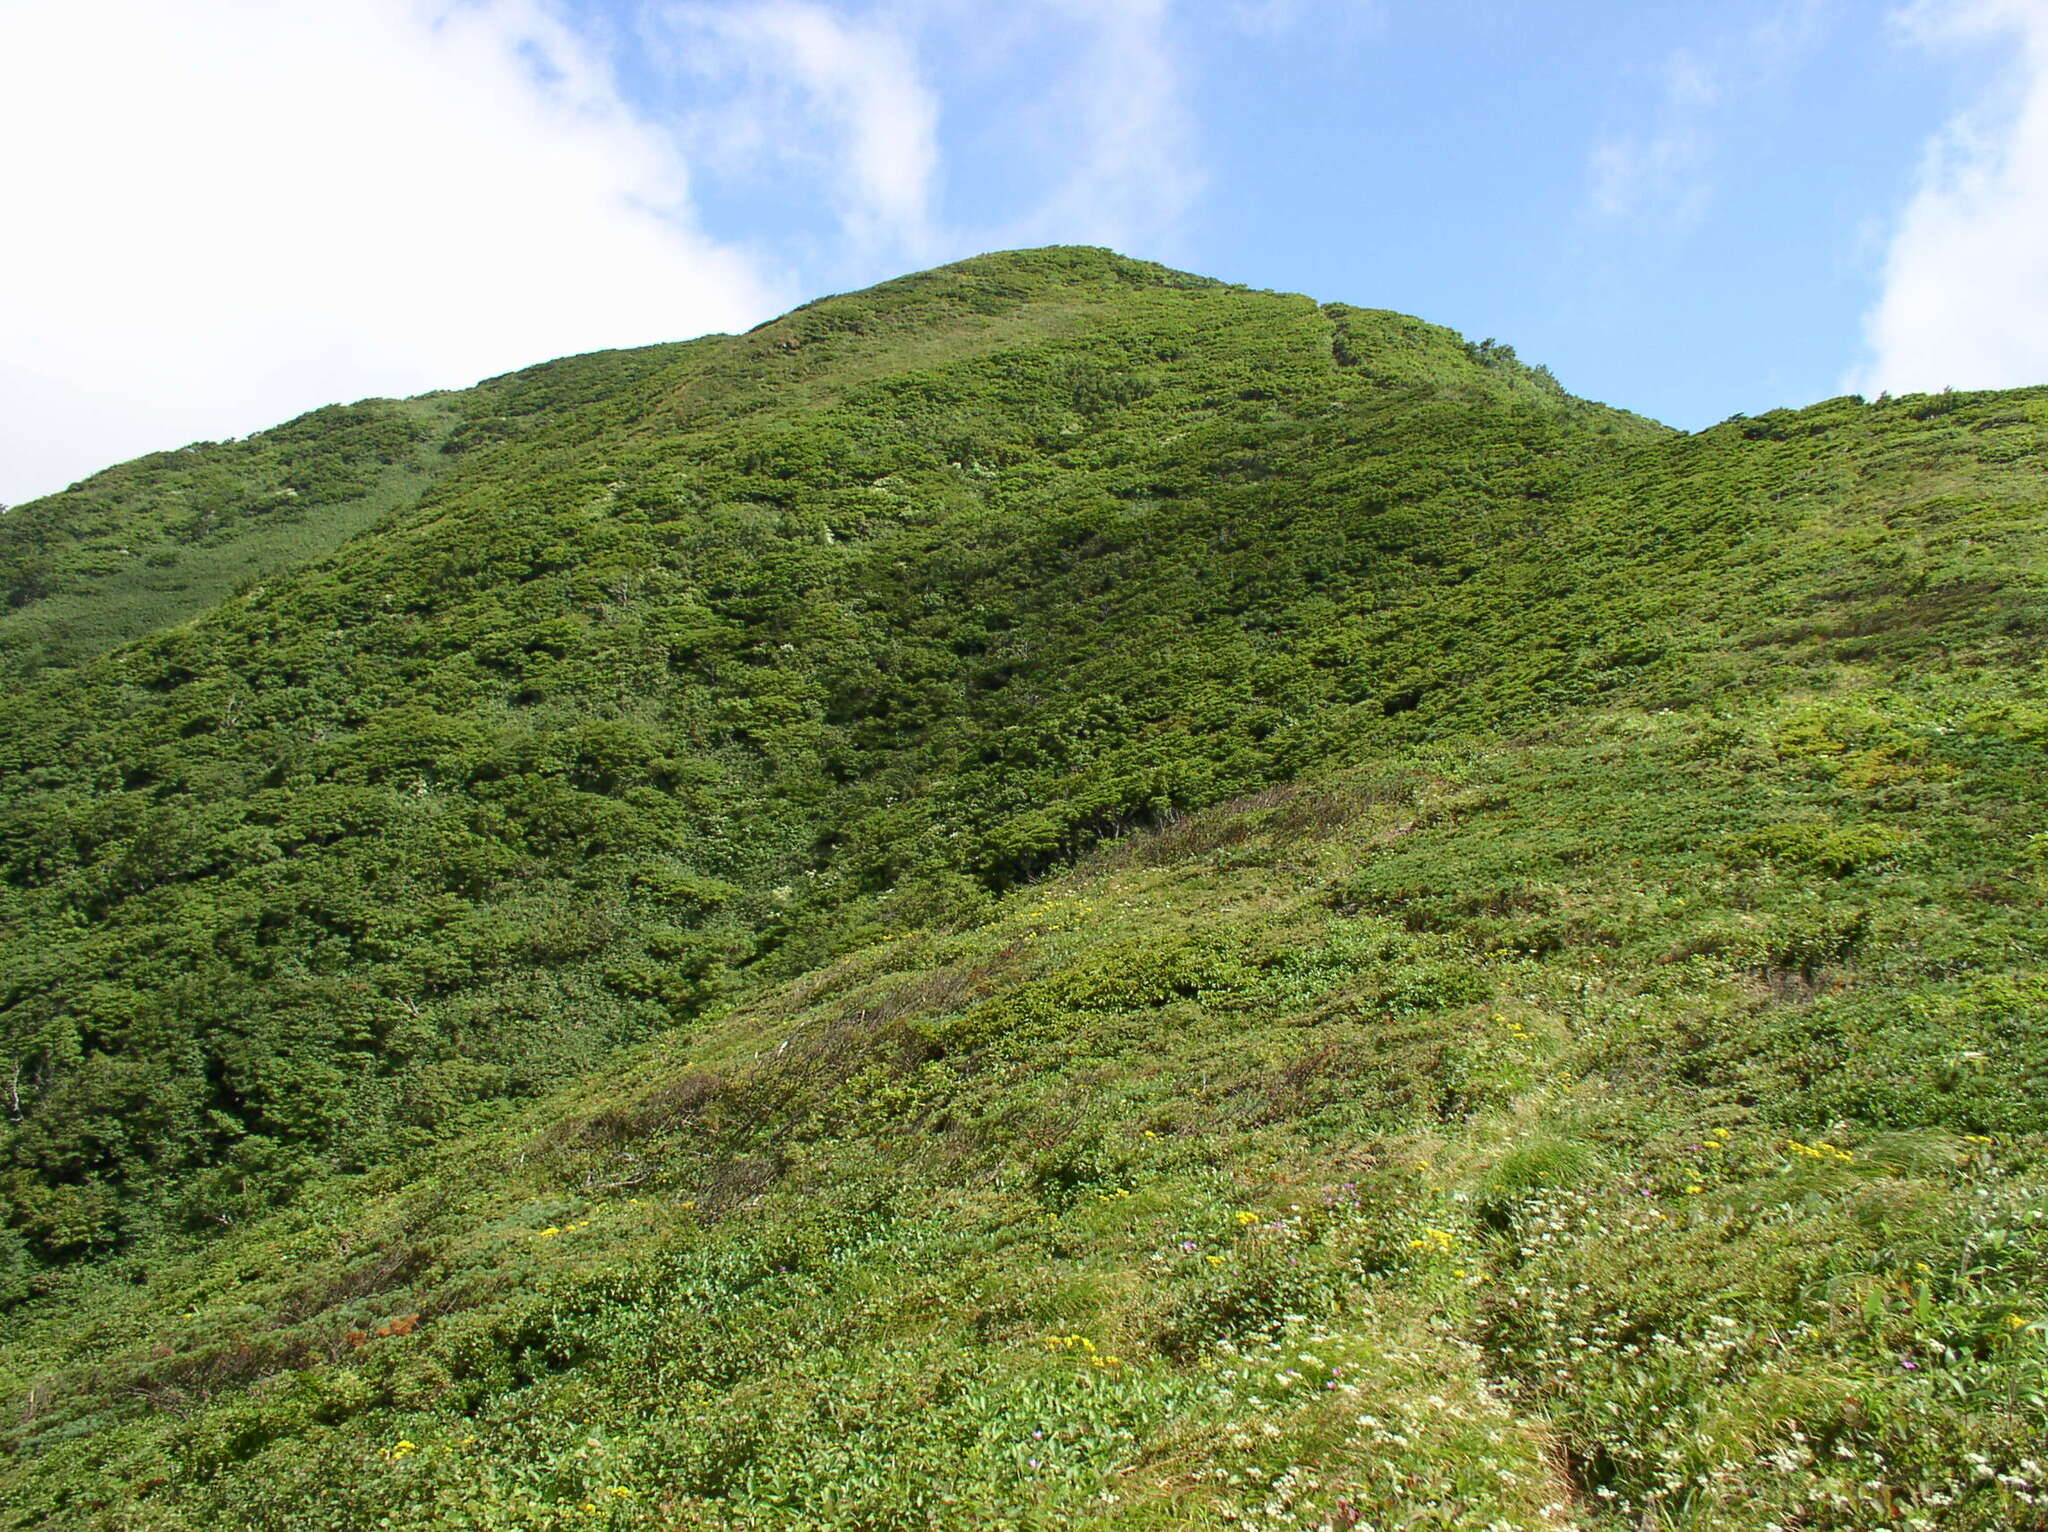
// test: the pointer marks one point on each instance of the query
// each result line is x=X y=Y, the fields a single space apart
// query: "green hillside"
x=1054 y=894
x=150 y=543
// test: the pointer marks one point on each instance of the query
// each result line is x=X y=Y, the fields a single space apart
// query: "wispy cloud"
x=1336 y=20
x=839 y=99
x=1964 y=300
x=1663 y=173
x=225 y=211
x=1118 y=126
x=850 y=108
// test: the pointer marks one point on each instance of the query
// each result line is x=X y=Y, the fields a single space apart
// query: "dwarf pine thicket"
x=1054 y=894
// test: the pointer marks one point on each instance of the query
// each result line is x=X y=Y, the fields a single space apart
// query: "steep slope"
x=1597 y=1085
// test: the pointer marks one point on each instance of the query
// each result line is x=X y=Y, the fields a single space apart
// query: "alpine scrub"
x=1052 y=895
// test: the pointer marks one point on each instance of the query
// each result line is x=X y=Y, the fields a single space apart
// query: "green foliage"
x=1054 y=894
x=163 y=538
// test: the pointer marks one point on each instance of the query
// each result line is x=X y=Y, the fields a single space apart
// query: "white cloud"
x=800 y=101
x=1117 y=127
x=222 y=212
x=1335 y=21
x=1663 y=174
x=1263 y=18
x=1964 y=300
x=838 y=97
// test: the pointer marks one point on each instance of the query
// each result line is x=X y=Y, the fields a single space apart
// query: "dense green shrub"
x=1054 y=893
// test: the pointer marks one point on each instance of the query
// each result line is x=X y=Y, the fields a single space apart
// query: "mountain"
x=1053 y=894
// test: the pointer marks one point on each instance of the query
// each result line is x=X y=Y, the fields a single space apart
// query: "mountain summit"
x=1052 y=894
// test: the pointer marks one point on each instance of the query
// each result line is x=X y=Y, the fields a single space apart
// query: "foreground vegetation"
x=1058 y=895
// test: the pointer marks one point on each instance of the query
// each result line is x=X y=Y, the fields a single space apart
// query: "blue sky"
x=233 y=210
